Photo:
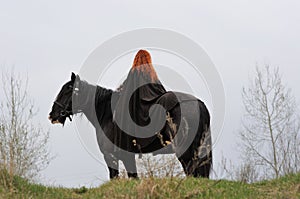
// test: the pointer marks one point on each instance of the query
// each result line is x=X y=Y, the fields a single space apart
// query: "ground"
x=285 y=187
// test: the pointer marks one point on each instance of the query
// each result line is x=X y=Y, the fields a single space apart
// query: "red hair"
x=143 y=63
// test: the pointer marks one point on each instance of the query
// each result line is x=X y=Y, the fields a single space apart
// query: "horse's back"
x=170 y=99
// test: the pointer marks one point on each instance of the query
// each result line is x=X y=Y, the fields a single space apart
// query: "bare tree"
x=23 y=143
x=159 y=166
x=270 y=127
x=245 y=172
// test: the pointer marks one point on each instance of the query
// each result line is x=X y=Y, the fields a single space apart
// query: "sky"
x=47 y=40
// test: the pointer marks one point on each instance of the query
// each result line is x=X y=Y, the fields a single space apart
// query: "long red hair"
x=143 y=63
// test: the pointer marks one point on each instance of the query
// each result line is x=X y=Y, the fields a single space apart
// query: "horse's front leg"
x=112 y=164
x=130 y=165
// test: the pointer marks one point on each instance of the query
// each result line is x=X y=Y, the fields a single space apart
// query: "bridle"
x=66 y=108
x=65 y=112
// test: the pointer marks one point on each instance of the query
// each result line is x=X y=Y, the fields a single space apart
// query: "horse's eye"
x=63 y=114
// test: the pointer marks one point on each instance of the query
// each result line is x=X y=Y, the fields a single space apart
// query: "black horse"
x=183 y=134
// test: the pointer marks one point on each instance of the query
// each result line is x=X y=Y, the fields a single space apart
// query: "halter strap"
x=59 y=104
x=65 y=112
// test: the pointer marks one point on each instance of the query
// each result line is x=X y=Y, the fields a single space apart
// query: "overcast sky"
x=49 y=39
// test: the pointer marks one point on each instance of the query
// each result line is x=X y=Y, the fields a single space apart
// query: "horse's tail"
x=205 y=154
x=203 y=142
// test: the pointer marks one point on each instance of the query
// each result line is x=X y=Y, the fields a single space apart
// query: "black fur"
x=89 y=97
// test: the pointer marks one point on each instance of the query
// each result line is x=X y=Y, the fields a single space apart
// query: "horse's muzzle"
x=53 y=121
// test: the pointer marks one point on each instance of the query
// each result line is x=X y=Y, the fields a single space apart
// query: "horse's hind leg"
x=130 y=165
x=188 y=164
x=197 y=159
x=194 y=166
x=185 y=165
x=204 y=167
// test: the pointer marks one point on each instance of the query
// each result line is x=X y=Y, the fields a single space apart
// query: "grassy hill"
x=285 y=187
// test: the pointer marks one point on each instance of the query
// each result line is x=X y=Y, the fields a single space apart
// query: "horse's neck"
x=94 y=102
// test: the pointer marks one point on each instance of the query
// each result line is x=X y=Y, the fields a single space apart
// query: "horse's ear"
x=73 y=77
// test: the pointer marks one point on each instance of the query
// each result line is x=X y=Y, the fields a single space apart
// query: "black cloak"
x=138 y=93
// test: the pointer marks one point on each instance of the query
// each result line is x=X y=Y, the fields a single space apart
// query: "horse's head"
x=62 y=106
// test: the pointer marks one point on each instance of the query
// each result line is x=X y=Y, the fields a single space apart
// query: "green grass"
x=285 y=187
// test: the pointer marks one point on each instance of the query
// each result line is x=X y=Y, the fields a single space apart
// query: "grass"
x=285 y=187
